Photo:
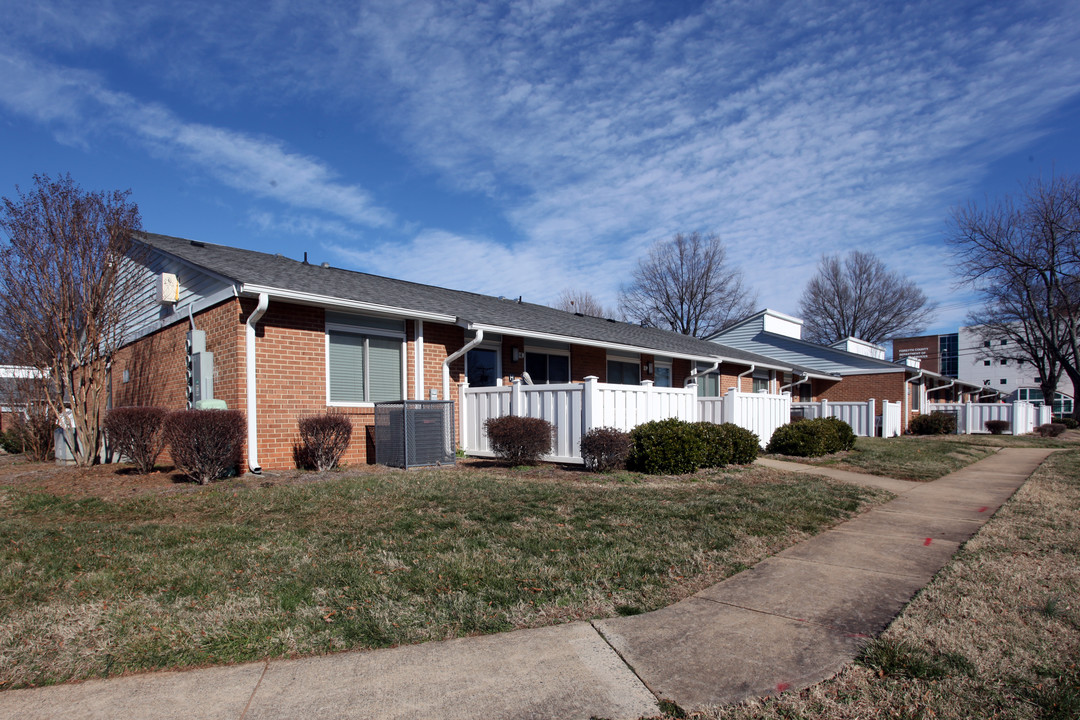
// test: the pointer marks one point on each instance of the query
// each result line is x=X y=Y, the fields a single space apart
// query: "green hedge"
x=812 y=438
x=675 y=447
x=935 y=423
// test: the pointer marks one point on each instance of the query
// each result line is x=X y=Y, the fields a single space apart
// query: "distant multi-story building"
x=998 y=365
x=936 y=353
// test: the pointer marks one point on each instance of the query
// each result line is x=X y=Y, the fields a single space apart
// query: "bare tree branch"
x=582 y=301
x=1023 y=256
x=686 y=285
x=858 y=296
x=62 y=300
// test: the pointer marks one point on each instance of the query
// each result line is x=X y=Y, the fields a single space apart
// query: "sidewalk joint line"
x=631 y=668
x=266 y=667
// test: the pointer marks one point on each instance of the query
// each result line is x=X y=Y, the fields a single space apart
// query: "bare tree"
x=581 y=301
x=858 y=296
x=1023 y=256
x=62 y=300
x=686 y=285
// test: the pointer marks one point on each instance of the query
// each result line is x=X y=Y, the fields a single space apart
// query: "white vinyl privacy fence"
x=1023 y=417
x=861 y=416
x=761 y=413
x=572 y=408
x=892 y=419
x=575 y=408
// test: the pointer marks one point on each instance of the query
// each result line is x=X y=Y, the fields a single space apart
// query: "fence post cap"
x=647 y=383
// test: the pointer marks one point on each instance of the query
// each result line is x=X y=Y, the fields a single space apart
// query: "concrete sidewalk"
x=792 y=620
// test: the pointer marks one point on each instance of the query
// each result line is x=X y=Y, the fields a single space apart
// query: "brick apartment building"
x=289 y=338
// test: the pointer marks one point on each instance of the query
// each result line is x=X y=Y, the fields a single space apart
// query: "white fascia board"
x=303 y=298
x=634 y=349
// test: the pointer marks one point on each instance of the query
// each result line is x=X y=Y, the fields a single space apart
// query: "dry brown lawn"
x=995 y=635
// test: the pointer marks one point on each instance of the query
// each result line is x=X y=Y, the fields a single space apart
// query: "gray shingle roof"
x=256 y=268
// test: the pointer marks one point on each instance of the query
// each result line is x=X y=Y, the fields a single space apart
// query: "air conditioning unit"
x=414 y=433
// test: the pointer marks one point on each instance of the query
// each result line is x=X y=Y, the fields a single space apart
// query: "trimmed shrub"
x=844 y=433
x=323 y=440
x=605 y=448
x=718 y=444
x=1068 y=422
x=206 y=444
x=812 y=438
x=935 y=423
x=1050 y=429
x=519 y=440
x=137 y=433
x=745 y=444
x=997 y=427
x=667 y=447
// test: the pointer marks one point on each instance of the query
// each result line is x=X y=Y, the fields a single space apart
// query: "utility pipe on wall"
x=252 y=405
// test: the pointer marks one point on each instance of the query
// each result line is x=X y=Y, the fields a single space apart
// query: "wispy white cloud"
x=79 y=104
x=791 y=128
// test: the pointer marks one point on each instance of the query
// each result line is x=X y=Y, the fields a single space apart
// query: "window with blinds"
x=363 y=368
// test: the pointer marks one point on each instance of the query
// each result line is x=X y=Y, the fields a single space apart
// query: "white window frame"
x=370 y=332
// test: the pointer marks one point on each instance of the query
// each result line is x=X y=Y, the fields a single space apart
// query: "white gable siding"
x=146 y=312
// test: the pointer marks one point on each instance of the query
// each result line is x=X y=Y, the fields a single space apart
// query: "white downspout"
x=694 y=374
x=805 y=377
x=252 y=423
x=446 y=363
x=907 y=393
x=740 y=376
x=941 y=387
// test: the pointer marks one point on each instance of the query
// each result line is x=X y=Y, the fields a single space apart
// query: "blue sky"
x=521 y=148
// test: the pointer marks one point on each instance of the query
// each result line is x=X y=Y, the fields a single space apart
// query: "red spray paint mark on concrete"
x=928 y=541
x=983 y=509
x=781 y=687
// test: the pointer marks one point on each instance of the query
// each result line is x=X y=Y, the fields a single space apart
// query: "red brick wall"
x=860 y=388
x=586 y=361
x=157 y=364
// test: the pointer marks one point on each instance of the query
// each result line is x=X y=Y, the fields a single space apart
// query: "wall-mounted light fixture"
x=515 y=354
x=648 y=368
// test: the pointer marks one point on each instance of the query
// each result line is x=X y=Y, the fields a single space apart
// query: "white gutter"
x=446 y=363
x=632 y=349
x=332 y=302
x=694 y=374
x=252 y=424
x=805 y=377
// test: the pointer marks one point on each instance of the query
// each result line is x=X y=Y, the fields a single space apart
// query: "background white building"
x=999 y=365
